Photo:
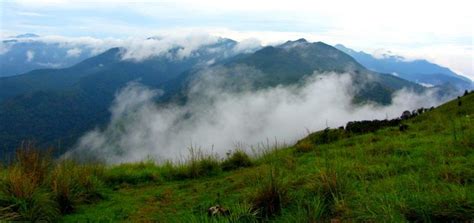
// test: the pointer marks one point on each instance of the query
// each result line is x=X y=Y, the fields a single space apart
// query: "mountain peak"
x=301 y=40
x=27 y=35
x=296 y=43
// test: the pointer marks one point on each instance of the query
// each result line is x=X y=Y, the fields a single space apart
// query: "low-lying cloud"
x=215 y=118
x=138 y=49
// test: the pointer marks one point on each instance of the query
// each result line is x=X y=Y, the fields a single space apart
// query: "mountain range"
x=54 y=107
x=419 y=71
x=27 y=52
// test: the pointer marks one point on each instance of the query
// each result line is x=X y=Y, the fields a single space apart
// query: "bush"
x=238 y=159
x=304 y=147
x=198 y=165
x=204 y=166
x=326 y=136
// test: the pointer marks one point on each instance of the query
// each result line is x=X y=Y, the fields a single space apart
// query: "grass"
x=422 y=174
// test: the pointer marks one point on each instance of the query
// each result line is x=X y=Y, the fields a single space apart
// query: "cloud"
x=247 y=45
x=30 y=55
x=173 y=46
x=426 y=85
x=4 y=47
x=74 y=52
x=50 y=65
x=217 y=118
x=139 y=49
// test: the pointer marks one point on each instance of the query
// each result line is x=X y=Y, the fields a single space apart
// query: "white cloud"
x=218 y=118
x=140 y=48
x=247 y=45
x=30 y=55
x=50 y=65
x=4 y=47
x=74 y=52
x=426 y=85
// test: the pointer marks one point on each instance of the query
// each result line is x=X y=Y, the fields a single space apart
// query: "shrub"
x=205 y=166
x=304 y=147
x=237 y=160
x=200 y=164
x=326 y=136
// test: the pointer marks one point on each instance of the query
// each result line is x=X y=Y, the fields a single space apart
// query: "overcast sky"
x=440 y=31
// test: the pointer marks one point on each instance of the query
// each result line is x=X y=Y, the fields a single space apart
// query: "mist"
x=217 y=118
x=137 y=48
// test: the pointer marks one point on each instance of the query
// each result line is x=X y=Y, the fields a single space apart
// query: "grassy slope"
x=424 y=173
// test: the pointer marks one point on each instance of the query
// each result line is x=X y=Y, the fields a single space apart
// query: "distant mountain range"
x=24 y=53
x=418 y=71
x=56 y=106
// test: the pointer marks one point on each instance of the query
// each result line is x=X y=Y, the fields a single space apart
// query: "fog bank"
x=215 y=118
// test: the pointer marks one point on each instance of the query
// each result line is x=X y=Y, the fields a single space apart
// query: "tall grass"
x=34 y=188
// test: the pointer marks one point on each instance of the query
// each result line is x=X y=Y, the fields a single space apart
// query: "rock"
x=406 y=115
x=217 y=210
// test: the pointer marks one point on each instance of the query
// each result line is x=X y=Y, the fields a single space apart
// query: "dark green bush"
x=238 y=159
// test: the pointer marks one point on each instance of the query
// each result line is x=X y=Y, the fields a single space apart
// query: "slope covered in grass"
x=424 y=173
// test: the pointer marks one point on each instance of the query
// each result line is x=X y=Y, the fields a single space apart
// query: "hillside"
x=421 y=172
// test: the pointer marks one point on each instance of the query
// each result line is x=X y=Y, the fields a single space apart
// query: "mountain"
x=26 y=35
x=27 y=52
x=56 y=106
x=292 y=61
x=418 y=71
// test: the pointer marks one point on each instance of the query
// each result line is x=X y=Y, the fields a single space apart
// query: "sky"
x=440 y=31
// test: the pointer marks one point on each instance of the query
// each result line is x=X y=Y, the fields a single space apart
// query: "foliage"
x=423 y=174
x=237 y=160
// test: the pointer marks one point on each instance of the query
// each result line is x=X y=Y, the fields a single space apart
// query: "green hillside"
x=422 y=174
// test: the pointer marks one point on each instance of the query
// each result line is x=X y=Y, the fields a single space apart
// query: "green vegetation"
x=422 y=174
